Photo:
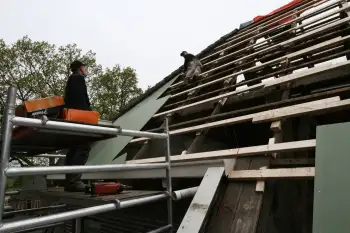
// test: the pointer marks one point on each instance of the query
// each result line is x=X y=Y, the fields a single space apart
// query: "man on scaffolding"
x=76 y=97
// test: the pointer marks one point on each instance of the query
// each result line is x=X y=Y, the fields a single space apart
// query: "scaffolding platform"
x=38 y=140
x=81 y=199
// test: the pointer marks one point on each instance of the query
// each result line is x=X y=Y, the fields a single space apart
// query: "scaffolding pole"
x=168 y=174
x=10 y=119
x=6 y=135
x=31 y=122
x=29 y=171
x=75 y=214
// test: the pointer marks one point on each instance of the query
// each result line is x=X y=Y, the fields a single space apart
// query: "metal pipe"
x=77 y=225
x=162 y=229
x=134 y=202
x=34 y=210
x=74 y=214
x=31 y=122
x=9 y=193
x=6 y=135
x=50 y=156
x=40 y=228
x=184 y=193
x=168 y=172
x=27 y=171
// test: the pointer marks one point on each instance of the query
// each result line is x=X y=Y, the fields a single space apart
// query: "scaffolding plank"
x=197 y=212
x=231 y=153
x=80 y=198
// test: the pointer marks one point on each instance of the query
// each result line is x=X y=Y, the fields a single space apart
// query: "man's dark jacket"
x=76 y=95
x=188 y=58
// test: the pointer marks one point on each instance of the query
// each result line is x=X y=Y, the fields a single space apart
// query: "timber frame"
x=255 y=111
x=263 y=91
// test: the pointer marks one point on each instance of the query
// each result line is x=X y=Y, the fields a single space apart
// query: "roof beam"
x=310 y=76
x=280 y=45
x=313 y=107
x=299 y=19
x=232 y=153
x=264 y=174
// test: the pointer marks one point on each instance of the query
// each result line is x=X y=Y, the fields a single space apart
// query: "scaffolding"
x=10 y=120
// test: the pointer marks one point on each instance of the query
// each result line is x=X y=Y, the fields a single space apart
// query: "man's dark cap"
x=183 y=53
x=76 y=65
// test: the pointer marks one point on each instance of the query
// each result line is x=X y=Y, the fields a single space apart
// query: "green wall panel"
x=332 y=184
x=104 y=152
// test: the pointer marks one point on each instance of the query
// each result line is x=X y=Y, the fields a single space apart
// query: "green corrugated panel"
x=332 y=184
x=104 y=152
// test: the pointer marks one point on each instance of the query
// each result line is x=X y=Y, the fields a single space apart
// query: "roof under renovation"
x=263 y=49
x=264 y=90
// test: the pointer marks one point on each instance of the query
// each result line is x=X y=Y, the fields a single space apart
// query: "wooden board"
x=283 y=44
x=293 y=111
x=280 y=173
x=194 y=219
x=332 y=70
x=284 y=112
x=231 y=153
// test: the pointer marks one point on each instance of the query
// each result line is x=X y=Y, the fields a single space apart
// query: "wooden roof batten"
x=329 y=38
x=267 y=87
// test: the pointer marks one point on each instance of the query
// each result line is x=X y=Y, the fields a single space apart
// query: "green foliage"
x=39 y=69
x=112 y=90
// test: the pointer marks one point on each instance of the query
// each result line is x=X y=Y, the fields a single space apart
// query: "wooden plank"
x=276 y=126
x=284 y=43
x=221 y=220
x=245 y=118
x=335 y=11
x=196 y=214
x=201 y=134
x=231 y=153
x=294 y=111
x=213 y=99
x=248 y=209
x=342 y=66
x=312 y=73
x=251 y=117
x=271 y=22
x=280 y=173
x=292 y=161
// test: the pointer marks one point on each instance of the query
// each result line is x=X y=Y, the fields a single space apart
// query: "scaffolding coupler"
x=10 y=120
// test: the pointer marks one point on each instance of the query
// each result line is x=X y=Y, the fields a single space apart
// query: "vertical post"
x=6 y=135
x=77 y=225
x=168 y=173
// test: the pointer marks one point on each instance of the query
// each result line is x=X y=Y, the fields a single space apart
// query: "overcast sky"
x=147 y=35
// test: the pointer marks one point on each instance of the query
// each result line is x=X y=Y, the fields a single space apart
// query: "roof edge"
x=151 y=90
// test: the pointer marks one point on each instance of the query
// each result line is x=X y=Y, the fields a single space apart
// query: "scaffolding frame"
x=10 y=120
